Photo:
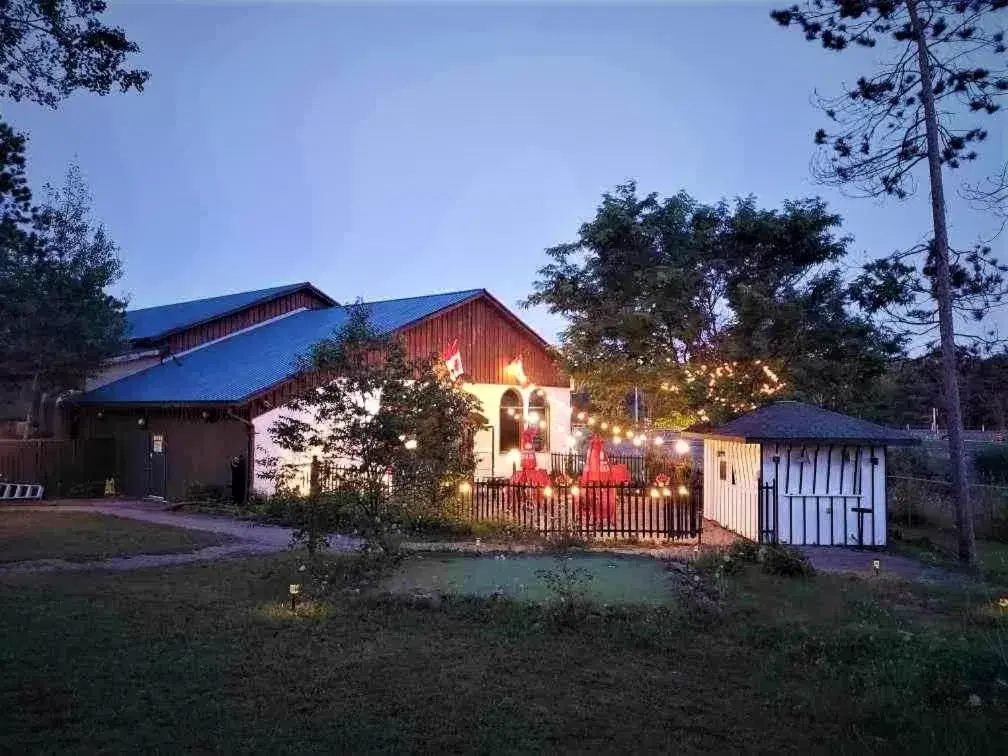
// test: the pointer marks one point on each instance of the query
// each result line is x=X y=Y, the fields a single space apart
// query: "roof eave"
x=891 y=441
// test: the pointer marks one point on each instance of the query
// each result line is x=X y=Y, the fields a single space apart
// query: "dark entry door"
x=158 y=469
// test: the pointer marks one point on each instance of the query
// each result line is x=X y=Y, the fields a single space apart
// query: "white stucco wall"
x=490 y=460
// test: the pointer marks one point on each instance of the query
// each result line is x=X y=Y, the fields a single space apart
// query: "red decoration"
x=529 y=474
x=453 y=360
x=600 y=503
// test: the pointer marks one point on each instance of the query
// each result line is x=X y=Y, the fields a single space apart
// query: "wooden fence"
x=65 y=467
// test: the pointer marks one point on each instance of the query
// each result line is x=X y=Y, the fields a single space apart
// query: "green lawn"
x=83 y=536
x=604 y=579
x=206 y=658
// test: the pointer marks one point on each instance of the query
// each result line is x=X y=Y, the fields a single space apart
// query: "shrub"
x=991 y=463
x=786 y=561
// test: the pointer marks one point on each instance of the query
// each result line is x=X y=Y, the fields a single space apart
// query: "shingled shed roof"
x=791 y=422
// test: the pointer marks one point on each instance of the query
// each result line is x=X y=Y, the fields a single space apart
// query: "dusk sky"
x=400 y=149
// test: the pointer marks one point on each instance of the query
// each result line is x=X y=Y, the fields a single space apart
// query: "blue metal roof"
x=236 y=367
x=150 y=322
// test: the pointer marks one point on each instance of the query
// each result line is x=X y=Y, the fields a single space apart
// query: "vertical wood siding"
x=250 y=316
x=195 y=451
x=819 y=487
x=733 y=505
x=488 y=341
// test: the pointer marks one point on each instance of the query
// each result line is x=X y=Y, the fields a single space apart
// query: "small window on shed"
x=723 y=470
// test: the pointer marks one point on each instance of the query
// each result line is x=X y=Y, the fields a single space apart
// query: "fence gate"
x=768 y=512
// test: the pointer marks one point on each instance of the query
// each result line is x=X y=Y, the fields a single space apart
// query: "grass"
x=207 y=658
x=83 y=536
x=606 y=579
x=937 y=546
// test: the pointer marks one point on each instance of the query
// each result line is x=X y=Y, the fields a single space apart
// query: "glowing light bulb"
x=547 y=491
x=655 y=493
x=682 y=446
x=603 y=425
x=411 y=444
x=574 y=490
x=659 y=441
x=683 y=490
x=465 y=487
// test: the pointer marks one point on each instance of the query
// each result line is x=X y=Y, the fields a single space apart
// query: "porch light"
x=683 y=491
x=465 y=487
x=547 y=491
x=681 y=446
x=141 y=421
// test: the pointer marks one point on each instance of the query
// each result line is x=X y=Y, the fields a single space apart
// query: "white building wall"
x=733 y=501
x=491 y=461
x=818 y=486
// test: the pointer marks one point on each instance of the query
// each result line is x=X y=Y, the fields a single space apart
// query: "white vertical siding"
x=732 y=504
x=818 y=488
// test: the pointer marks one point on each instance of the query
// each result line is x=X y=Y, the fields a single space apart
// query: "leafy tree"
x=701 y=307
x=945 y=70
x=57 y=323
x=50 y=48
x=393 y=425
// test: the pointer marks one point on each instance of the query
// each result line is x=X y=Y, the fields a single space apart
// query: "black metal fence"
x=673 y=511
x=642 y=469
x=592 y=511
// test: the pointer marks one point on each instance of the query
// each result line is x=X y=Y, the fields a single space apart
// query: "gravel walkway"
x=247 y=538
x=251 y=539
x=852 y=561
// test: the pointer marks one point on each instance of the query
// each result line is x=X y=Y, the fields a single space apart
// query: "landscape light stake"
x=295 y=589
x=875 y=566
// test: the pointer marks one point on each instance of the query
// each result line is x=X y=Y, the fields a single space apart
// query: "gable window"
x=510 y=421
x=539 y=414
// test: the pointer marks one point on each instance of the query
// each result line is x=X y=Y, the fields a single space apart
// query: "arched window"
x=539 y=414
x=510 y=421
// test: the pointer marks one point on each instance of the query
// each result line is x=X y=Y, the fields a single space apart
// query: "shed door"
x=158 y=479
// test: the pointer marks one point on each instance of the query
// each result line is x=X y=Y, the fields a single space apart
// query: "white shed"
x=794 y=473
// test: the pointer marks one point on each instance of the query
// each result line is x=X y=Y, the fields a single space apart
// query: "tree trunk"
x=946 y=326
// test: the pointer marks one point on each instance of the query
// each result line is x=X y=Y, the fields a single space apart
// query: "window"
x=510 y=421
x=723 y=470
x=539 y=414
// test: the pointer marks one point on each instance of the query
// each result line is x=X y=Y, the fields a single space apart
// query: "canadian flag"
x=453 y=360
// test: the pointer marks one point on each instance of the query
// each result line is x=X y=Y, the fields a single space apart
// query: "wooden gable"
x=218 y=328
x=489 y=338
